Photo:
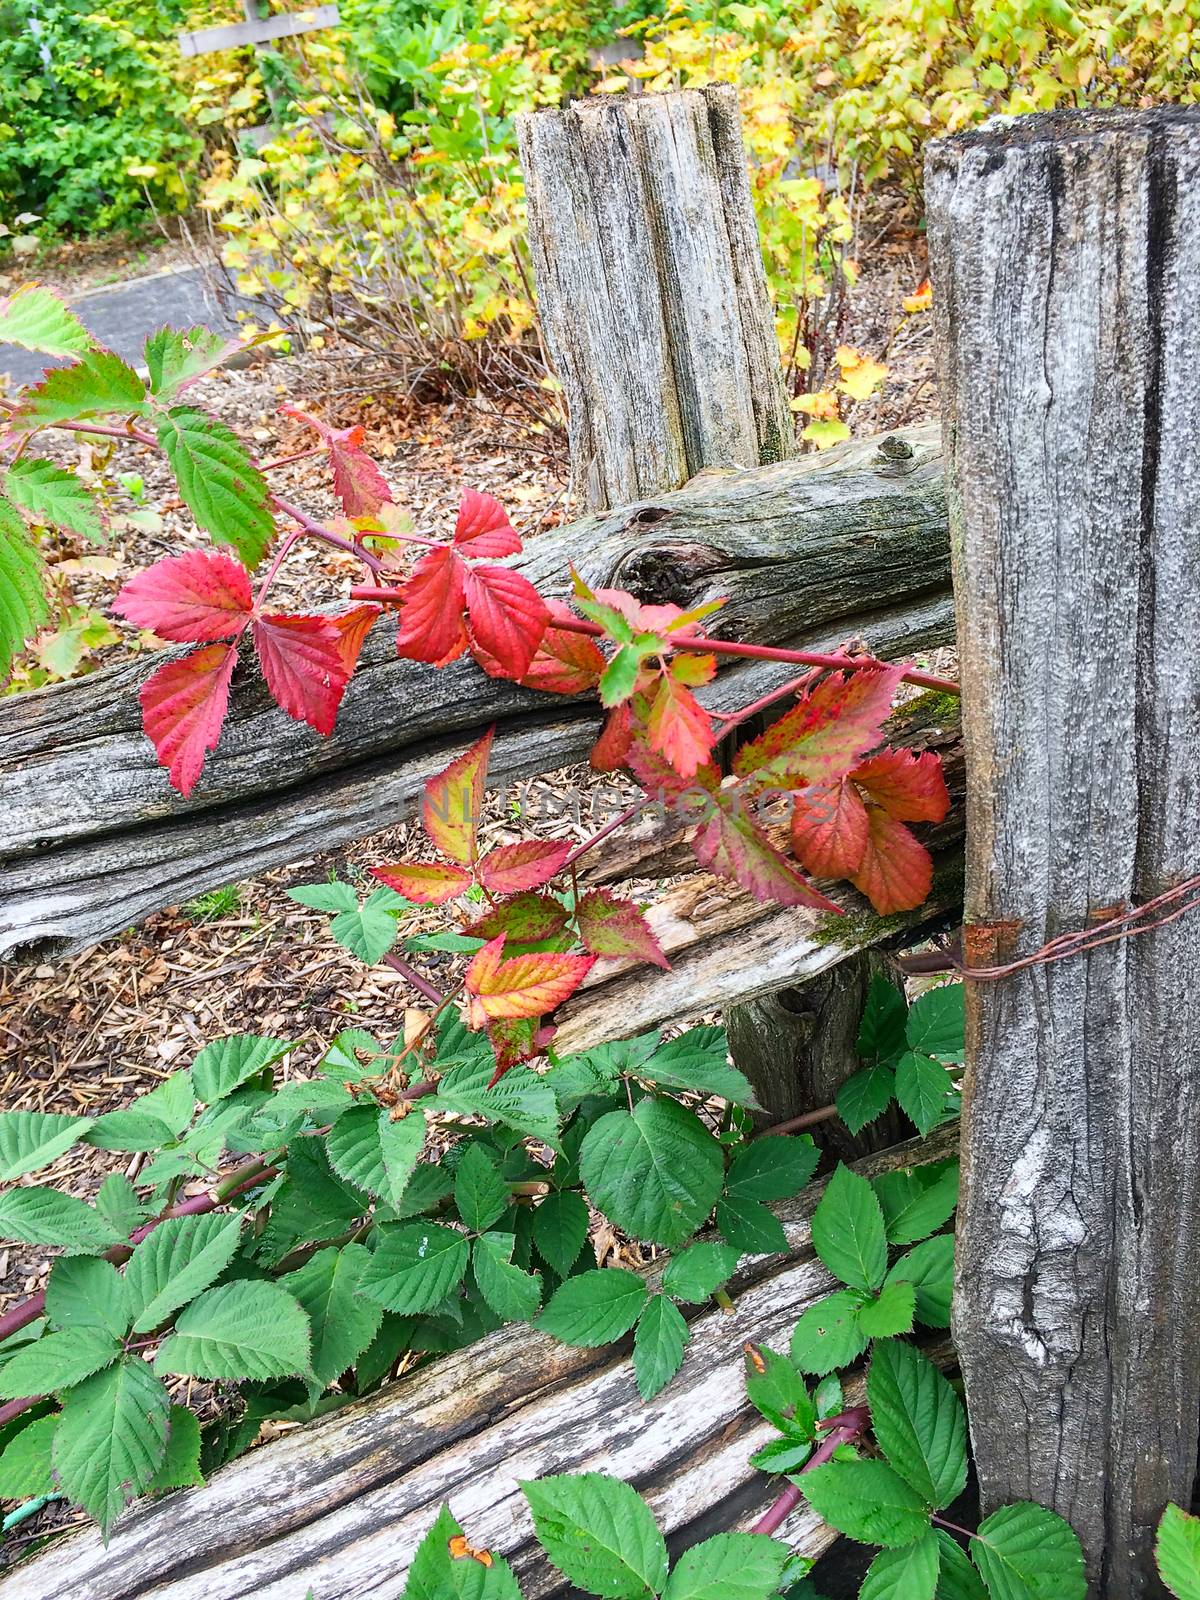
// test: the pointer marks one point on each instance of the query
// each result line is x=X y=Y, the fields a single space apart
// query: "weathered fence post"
x=652 y=292
x=1066 y=255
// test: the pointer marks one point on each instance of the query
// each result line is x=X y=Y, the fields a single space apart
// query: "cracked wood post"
x=1065 y=253
x=651 y=291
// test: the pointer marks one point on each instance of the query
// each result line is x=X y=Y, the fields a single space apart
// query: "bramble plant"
x=1177 y=1553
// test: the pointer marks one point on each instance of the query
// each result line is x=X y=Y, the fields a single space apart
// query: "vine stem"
x=843 y=1429
x=398 y=964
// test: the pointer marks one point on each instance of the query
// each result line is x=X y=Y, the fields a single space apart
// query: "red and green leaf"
x=528 y=864
x=302 y=661
x=611 y=750
x=190 y=599
x=428 y=883
x=352 y=629
x=678 y=725
x=514 y=1041
x=523 y=986
x=732 y=845
x=565 y=662
x=525 y=919
x=453 y=802
x=357 y=481
x=609 y=926
x=483 y=526
x=183 y=706
x=825 y=735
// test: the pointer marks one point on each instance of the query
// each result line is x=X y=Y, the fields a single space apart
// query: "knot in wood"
x=670 y=574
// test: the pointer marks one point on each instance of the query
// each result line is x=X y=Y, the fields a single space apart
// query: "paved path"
x=121 y=315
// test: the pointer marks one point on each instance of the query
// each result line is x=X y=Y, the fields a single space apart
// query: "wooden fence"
x=1065 y=252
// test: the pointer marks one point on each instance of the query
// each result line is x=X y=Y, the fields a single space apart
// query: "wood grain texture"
x=651 y=290
x=233 y=35
x=341 y=1505
x=810 y=552
x=1065 y=254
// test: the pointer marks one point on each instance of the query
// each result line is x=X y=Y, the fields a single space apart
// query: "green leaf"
x=594 y=1308
x=865 y=1096
x=918 y=1422
x=780 y=1394
x=225 y=1064
x=512 y=1294
x=97 y=384
x=1025 y=1552
x=49 y=494
x=86 y=1292
x=176 y=356
x=480 y=1193
x=57 y=1361
x=600 y=1534
x=750 y=1228
x=129 y=1131
x=118 y=1204
x=325 y=897
x=437 y=1575
x=241 y=1330
x=957 y=1578
x=23 y=604
x=881 y=1032
x=772 y=1169
x=782 y=1455
x=1177 y=1551
x=929 y=1267
x=342 y=1322
x=220 y=485
x=111 y=1438
x=620 y=675
x=33 y=1139
x=180 y=1467
x=311 y=1205
x=35 y=318
x=560 y=1225
x=521 y=1100
x=401 y=1140
x=922 y=1085
x=916 y=1200
x=935 y=1023
x=699 y=1271
x=656 y=1174
x=867 y=1501
x=729 y=1566
x=828 y=1335
x=37 y=1215
x=697 y=1061
x=417 y=1265
x=658 y=1345
x=890 y=1311
x=910 y=1573
x=848 y=1232
x=173 y=1101
x=174 y=1263
x=368 y=931
x=25 y=1461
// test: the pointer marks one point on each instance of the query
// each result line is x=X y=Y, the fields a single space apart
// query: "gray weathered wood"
x=809 y=552
x=651 y=290
x=340 y=1505
x=233 y=35
x=1066 y=254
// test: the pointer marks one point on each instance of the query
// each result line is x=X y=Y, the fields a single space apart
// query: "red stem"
x=398 y=964
x=843 y=1429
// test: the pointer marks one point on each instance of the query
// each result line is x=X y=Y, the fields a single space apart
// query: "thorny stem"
x=843 y=1429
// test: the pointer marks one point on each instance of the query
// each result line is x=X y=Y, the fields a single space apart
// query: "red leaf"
x=611 y=749
x=191 y=599
x=896 y=872
x=656 y=774
x=429 y=883
x=909 y=786
x=528 y=864
x=301 y=659
x=730 y=844
x=183 y=707
x=506 y=617
x=525 y=919
x=453 y=802
x=826 y=734
x=483 y=524
x=525 y=986
x=357 y=481
x=353 y=627
x=612 y=927
x=514 y=1041
x=431 y=619
x=678 y=726
x=565 y=663
x=829 y=829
